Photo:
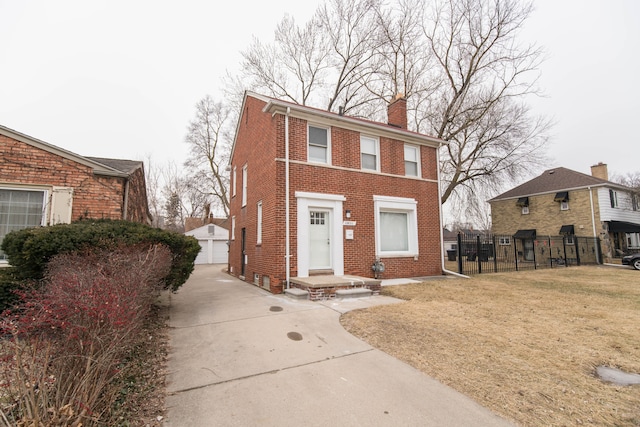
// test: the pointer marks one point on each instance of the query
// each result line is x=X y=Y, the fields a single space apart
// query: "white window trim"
x=525 y=210
x=418 y=162
x=234 y=182
x=504 y=241
x=328 y=129
x=244 y=185
x=259 y=226
x=564 y=205
x=233 y=227
x=46 y=202
x=402 y=205
x=376 y=145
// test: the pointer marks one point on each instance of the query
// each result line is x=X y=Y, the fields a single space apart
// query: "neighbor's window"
x=568 y=239
x=259 y=237
x=20 y=209
x=369 y=153
x=319 y=144
x=564 y=205
x=525 y=210
x=504 y=241
x=396 y=226
x=633 y=240
x=244 y=185
x=613 y=197
x=411 y=160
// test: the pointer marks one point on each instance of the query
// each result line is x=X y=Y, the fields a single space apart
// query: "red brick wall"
x=93 y=196
x=261 y=140
x=137 y=204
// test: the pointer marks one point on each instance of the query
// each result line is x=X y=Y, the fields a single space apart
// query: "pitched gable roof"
x=277 y=106
x=555 y=180
x=99 y=168
x=124 y=166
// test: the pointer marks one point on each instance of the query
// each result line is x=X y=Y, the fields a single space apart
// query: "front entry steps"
x=353 y=293
x=319 y=288
x=296 y=293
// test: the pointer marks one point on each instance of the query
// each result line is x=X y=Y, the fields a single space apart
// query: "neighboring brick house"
x=358 y=191
x=41 y=184
x=565 y=202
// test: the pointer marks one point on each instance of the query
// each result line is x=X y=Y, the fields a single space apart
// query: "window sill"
x=396 y=255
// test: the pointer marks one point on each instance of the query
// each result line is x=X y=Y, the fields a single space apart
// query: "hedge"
x=29 y=250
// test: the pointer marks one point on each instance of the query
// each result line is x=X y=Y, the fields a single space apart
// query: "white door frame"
x=333 y=203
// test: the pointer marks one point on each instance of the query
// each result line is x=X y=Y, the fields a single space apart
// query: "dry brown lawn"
x=523 y=344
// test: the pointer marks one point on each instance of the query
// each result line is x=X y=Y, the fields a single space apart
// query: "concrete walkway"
x=241 y=356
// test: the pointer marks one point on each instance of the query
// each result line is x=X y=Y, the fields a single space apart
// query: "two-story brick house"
x=565 y=202
x=319 y=193
x=41 y=184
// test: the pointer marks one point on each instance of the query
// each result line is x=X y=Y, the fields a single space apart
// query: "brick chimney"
x=600 y=171
x=397 y=111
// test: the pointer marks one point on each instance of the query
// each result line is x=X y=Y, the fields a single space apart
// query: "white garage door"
x=213 y=252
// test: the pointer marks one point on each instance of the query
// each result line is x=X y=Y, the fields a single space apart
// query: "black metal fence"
x=476 y=254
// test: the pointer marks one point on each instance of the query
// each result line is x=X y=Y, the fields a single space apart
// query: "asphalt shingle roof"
x=554 y=180
x=125 y=166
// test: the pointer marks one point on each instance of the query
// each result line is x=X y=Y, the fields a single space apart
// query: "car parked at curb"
x=632 y=260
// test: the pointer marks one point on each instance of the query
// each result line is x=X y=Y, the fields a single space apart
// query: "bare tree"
x=480 y=109
x=153 y=178
x=209 y=151
x=458 y=62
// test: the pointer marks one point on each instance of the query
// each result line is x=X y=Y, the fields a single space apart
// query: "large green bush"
x=29 y=250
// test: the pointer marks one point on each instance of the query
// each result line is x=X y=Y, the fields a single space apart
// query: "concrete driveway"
x=241 y=356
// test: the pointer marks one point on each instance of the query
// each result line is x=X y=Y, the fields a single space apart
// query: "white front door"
x=319 y=239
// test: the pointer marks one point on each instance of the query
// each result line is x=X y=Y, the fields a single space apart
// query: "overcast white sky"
x=120 y=78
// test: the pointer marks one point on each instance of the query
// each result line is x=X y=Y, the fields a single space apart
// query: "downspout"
x=444 y=268
x=287 y=246
x=593 y=221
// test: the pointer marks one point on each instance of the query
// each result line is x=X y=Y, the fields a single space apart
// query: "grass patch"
x=524 y=344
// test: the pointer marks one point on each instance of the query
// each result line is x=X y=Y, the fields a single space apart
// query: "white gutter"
x=444 y=268
x=593 y=221
x=287 y=246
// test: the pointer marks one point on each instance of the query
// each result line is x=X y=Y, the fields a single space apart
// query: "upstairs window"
x=233 y=193
x=319 y=148
x=411 y=160
x=563 y=198
x=613 y=198
x=369 y=153
x=523 y=202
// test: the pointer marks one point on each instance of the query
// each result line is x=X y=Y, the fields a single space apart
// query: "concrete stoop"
x=324 y=287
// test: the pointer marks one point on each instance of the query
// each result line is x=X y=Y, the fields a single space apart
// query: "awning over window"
x=567 y=229
x=624 y=227
x=562 y=196
x=525 y=234
x=522 y=201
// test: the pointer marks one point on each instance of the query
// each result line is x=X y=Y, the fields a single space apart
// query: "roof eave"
x=274 y=106
x=98 y=168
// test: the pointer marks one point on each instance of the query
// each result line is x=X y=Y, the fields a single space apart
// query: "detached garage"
x=213 y=241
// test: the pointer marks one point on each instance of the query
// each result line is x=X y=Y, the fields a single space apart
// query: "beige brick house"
x=314 y=193
x=41 y=184
x=564 y=202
